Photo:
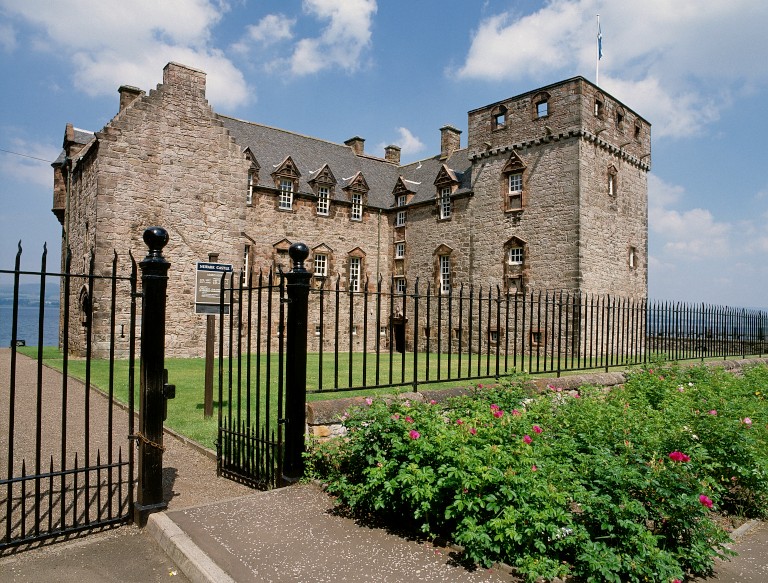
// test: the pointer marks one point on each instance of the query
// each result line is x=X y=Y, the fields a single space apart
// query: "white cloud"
x=409 y=144
x=678 y=63
x=341 y=42
x=30 y=162
x=7 y=38
x=271 y=29
x=691 y=234
x=111 y=44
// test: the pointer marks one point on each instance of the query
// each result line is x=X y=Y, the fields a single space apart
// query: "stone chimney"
x=128 y=94
x=177 y=74
x=392 y=154
x=450 y=141
x=357 y=143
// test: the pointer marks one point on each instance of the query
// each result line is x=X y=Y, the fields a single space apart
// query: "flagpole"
x=597 y=61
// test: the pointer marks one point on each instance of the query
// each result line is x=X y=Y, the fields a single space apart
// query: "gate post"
x=296 y=363
x=154 y=282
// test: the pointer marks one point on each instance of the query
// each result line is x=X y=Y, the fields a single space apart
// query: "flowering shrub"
x=617 y=486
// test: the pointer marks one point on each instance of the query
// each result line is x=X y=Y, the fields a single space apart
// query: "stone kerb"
x=324 y=418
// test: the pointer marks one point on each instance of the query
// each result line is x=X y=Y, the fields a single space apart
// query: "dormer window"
x=251 y=181
x=401 y=214
x=357 y=207
x=285 y=198
x=323 y=200
x=445 y=202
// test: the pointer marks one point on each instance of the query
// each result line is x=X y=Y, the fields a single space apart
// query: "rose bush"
x=608 y=486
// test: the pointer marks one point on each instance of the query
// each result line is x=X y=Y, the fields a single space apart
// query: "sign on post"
x=208 y=287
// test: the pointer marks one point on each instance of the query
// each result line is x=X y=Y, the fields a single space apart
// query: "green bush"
x=608 y=486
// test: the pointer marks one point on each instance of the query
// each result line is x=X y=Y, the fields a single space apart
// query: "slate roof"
x=81 y=137
x=271 y=146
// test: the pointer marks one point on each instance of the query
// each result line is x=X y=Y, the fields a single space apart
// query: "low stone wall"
x=324 y=418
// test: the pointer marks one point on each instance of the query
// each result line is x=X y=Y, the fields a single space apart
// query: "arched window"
x=498 y=117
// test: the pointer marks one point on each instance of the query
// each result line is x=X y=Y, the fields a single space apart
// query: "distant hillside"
x=29 y=293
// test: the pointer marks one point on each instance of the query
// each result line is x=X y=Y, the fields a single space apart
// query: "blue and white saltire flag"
x=599 y=41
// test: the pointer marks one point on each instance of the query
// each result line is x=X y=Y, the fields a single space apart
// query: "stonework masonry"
x=246 y=191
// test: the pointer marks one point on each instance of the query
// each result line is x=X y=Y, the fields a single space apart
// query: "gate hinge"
x=285 y=300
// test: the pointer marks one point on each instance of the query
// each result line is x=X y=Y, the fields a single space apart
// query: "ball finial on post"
x=298 y=253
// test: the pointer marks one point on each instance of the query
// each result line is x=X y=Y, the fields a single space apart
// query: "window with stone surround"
x=401 y=214
x=632 y=258
x=613 y=180
x=514 y=265
x=400 y=285
x=445 y=203
x=285 y=198
x=321 y=265
x=251 y=184
x=245 y=274
x=541 y=105
x=357 y=207
x=400 y=250
x=621 y=115
x=445 y=273
x=323 y=200
x=355 y=273
x=513 y=183
x=498 y=117
x=599 y=106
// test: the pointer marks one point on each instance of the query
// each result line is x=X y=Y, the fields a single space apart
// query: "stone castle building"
x=550 y=192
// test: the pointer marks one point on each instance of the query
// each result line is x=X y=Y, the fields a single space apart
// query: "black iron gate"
x=69 y=464
x=251 y=379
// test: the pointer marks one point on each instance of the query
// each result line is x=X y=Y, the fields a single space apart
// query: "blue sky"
x=394 y=72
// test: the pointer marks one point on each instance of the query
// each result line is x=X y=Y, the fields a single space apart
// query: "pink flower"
x=527 y=439
x=713 y=412
x=407 y=403
x=678 y=456
x=479 y=386
x=368 y=401
x=498 y=413
x=534 y=468
x=459 y=422
x=396 y=416
x=516 y=413
x=537 y=429
x=676 y=581
x=705 y=501
x=576 y=396
x=472 y=431
x=414 y=434
x=495 y=407
x=432 y=402
x=408 y=419
x=747 y=421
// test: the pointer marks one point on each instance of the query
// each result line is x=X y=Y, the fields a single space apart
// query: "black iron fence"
x=381 y=338
x=68 y=464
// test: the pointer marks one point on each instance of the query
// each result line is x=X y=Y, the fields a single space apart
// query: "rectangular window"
x=493 y=336
x=400 y=285
x=382 y=331
x=286 y=194
x=515 y=191
x=632 y=260
x=357 y=207
x=249 y=196
x=400 y=218
x=317 y=329
x=515 y=256
x=321 y=265
x=354 y=274
x=542 y=109
x=246 y=265
x=323 y=200
x=399 y=250
x=611 y=185
x=445 y=203
x=445 y=274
